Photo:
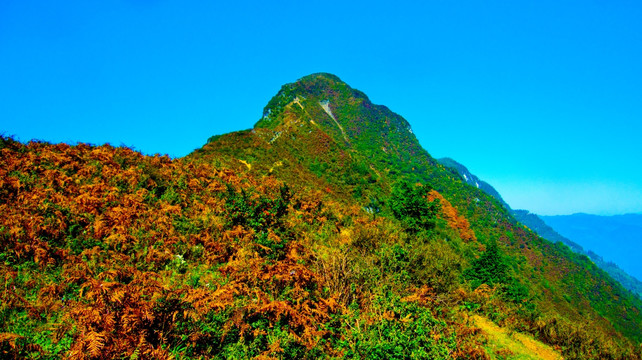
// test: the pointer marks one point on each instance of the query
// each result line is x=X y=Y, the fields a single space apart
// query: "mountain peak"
x=321 y=87
x=323 y=102
x=322 y=75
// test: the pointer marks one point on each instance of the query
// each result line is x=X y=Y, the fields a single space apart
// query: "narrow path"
x=514 y=345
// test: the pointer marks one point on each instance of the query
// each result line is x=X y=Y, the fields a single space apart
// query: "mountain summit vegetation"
x=326 y=231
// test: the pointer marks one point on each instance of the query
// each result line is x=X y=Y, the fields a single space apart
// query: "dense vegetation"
x=318 y=234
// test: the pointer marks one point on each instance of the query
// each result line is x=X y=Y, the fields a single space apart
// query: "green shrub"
x=404 y=331
x=490 y=268
x=410 y=206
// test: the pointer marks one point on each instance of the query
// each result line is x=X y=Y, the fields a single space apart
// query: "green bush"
x=262 y=214
x=404 y=331
x=410 y=206
x=436 y=264
x=490 y=268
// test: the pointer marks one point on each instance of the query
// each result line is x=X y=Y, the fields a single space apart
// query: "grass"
x=503 y=344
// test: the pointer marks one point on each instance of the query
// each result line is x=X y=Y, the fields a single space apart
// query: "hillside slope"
x=535 y=223
x=324 y=232
x=375 y=150
x=472 y=179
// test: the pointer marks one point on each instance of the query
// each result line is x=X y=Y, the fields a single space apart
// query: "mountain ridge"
x=472 y=179
x=380 y=172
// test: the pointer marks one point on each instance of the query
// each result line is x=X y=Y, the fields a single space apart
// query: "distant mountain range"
x=611 y=242
x=616 y=238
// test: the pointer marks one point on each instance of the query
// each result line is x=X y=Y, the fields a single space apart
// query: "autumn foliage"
x=113 y=254
x=107 y=253
x=454 y=220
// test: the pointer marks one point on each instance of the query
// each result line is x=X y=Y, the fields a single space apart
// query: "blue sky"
x=541 y=99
